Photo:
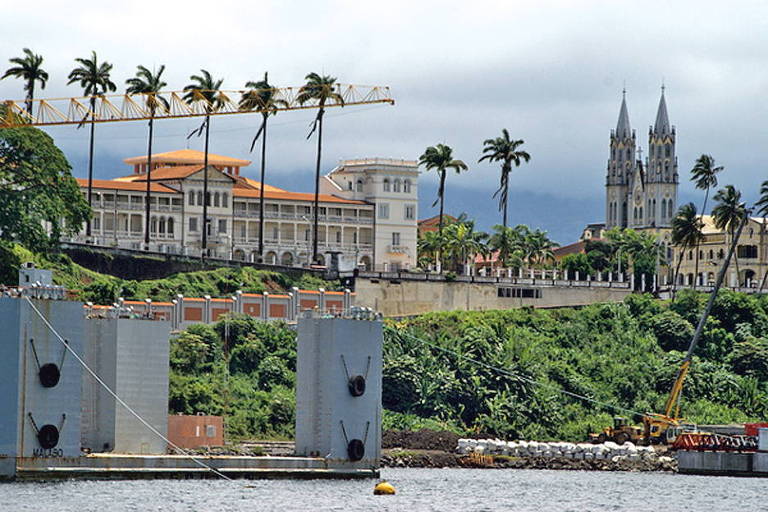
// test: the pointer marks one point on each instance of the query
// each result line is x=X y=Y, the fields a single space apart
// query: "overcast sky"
x=551 y=72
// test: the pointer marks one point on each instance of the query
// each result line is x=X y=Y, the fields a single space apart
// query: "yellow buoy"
x=383 y=488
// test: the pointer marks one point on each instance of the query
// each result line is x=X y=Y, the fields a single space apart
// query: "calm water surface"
x=444 y=490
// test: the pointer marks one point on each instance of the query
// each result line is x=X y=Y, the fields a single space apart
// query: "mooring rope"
x=514 y=375
x=120 y=400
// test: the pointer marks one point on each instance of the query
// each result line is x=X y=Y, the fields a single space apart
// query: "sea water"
x=443 y=490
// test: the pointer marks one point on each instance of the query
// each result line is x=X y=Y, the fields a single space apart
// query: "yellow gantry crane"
x=112 y=108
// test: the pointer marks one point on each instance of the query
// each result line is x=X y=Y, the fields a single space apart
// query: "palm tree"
x=440 y=158
x=321 y=90
x=503 y=149
x=729 y=213
x=428 y=244
x=204 y=88
x=261 y=97
x=762 y=203
x=686 y=233
x=28 y=68
x=95 y=80
x=539 y=247
x=463 y=242
x=507 y=243
x=762 y=210
x=149 y=84
x=704 y=175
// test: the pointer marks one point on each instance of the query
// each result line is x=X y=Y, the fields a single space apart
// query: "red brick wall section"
x=217 y=312
x=252 y=310
x=193 y=314
x=277 y=310
x=196 y=431
x=307 y=304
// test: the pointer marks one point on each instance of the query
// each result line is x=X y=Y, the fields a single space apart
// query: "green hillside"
x=625 y=355
x=105 y=289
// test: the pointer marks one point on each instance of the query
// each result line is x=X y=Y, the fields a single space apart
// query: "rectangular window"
x=191 y=198
x=410 y=212
x=383 y=210
x=338 y=237
x=395 y=238
x=222 y=225
x=193 y=223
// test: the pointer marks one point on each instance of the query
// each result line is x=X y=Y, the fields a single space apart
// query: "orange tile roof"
x=169 y=173
x=189 y=156
x=293 y=196
x=126 y=185
x=242 y=180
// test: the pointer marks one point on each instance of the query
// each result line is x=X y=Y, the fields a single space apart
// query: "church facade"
x=642 y=194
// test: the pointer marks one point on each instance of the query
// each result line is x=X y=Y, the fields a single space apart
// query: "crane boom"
x=677 y=388
x=110 y=108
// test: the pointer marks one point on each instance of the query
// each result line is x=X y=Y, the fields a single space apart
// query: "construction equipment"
x=666 y=427
x=619 y=433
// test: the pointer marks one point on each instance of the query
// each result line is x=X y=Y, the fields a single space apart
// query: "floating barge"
x=137 y=467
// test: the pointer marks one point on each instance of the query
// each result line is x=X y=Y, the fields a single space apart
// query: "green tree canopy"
x=38 y=191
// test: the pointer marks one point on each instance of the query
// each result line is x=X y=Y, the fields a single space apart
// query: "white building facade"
x=349 y=224
x=392 y=186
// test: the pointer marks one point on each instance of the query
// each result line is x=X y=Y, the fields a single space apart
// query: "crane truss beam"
x=173 y=104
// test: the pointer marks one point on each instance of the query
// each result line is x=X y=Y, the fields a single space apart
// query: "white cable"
x=120 y=400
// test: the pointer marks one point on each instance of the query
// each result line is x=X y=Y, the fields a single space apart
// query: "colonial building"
x=641 y=195
x=372 y=224
x=751 y=257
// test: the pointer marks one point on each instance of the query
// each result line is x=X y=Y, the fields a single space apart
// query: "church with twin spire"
x=641 y=194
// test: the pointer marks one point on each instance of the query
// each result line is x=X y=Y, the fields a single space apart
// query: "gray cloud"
x=551 y=72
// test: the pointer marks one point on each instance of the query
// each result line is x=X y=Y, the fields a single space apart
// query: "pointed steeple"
x=623 y=130
x=662 y=119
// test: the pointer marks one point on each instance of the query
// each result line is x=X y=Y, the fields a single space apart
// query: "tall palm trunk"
x=149 y=182
x=90 y=167
x=315 y=254
x=261 y=191
x=736 y=261
x=30 y=95
x=698 y=244
x=440 y=222
x=677 y=272
x=205 y=188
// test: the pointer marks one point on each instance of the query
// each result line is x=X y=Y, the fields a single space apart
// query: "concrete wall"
x=718 y=463
x=406 y=297
x=26 y=406
x=131 y=356
x=323 y=399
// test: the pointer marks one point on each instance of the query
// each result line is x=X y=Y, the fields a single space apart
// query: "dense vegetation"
x=105 y=289
x=621 y=354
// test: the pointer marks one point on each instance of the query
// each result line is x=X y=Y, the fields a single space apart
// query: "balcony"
x=397 y=249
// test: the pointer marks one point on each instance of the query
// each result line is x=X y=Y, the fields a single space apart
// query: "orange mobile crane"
x=664 y=428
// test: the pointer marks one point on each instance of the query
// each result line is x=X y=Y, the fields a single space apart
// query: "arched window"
x=216 y=199
x=670 y=207
x=711 y=254
x=653 y=214
x=191 y=198
x=397 y=185
x=170 y=225
x=224 y=200
x=386 y=185
x=349 y=185
x=634 y=213
x=629 y=155
x=640 y=214
x=153 y=225
x=359 y=185
x=208 y=199
x=407 y=186
x=161 y=226
x=199 y=198
x=663 y=209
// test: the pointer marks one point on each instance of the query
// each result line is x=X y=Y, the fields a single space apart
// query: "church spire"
x=662 y=119
x=623 y=130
